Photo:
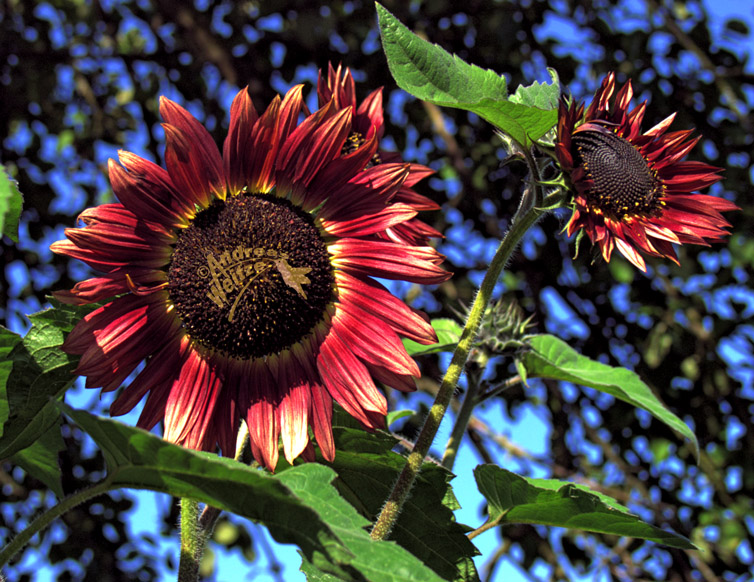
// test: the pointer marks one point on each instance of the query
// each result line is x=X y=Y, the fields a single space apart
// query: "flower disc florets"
x=250 y=276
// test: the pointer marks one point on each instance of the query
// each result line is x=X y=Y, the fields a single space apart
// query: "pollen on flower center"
x=623 y=181
x=354 y=141
x=250 y=276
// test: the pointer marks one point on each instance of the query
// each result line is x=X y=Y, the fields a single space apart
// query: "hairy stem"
x=192 y=541
x=392 y=508
x=485 y=526
x=41 y=522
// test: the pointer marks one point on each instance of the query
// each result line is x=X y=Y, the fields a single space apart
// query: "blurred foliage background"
x=80 y=79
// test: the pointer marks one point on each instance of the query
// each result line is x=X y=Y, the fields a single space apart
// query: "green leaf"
x=541 y=95
x=516 y=499
x=551 y=357
x=41 y=373
x=396 y=415
x=40 y=460
x=298 y=505
x=367 y=468
x=448 y=334
x=11 y=202
x=8 y=341
x=432 y=74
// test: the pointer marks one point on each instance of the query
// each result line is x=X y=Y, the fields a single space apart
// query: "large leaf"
x=11 y=202
x=41 y=373
x=426 y=527
x=432 y=74
x=448 y=334
x=516 y=499
x=551 y=357
x=41 y=459
x=298 y=505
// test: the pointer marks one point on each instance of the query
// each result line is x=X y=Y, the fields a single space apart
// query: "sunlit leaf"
x=551 y=357
x=432 y=74
x=11 y=202
x=41 y=372
x=448 y=334
x=298 y=505
x=516 y=499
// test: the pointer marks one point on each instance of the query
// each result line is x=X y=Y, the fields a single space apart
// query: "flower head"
x=244 y=281
x=633 y=189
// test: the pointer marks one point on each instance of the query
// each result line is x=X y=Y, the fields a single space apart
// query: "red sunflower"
x=633 y=191
x=244 y=281
x=368 y=122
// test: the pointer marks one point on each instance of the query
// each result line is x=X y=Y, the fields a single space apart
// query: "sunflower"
x=368 y=122
x=245 y=280
x=633 y=192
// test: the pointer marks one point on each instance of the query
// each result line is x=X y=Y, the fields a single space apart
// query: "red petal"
x=367 y=192
x=392 y=380
x=374 y=298
x=148 y=197
x=372 y=340
x=348 y=381
x=321 y=420
x=269 y=132
x=630 y=253
x=188 y=170
x=235 y=149
x=370 y=223
x=312 y=145
x=388 y=260
x=205 y=164
x=110 y=285
x=157 y=376
x=261 y=419
x=369 y=120
x=293 y=407
x=192 y=400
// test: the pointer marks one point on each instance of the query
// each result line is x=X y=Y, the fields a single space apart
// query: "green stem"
x=392 y=508
x=495 y=390
x=486 y=526
x=459 y=427
x=192 y=541
x=196 y=529
x=41 y=522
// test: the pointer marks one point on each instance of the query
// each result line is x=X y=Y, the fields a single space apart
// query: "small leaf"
x=516 y=499
x=41 y=373
x=396 y=415
x=40 y=459
x=298 y=505
x=448 y=335
x=11 y=202
x=432 y=74
x=551 y=357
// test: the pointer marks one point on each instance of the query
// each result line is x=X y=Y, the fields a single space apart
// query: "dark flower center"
x=354 y=141
x=250 y=276
x=624 y=184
